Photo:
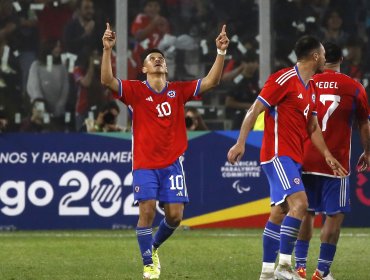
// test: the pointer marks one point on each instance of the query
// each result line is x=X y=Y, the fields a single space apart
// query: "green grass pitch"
x=189 y=254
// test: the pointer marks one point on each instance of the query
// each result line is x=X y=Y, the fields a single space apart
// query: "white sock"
x=285 y=259
x=268 y=267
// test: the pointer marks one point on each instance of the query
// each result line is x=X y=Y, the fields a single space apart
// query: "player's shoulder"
x=282 y=76
x=335 y=76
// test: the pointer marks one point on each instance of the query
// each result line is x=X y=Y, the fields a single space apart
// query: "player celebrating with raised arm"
x=159 y=140
x=288 y=98
x=339 y=99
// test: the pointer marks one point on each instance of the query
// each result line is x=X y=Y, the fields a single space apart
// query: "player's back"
x=339 y=100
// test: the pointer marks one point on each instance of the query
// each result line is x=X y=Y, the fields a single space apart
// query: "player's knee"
x=147 y=215
x=174 y=219
x=299 y=208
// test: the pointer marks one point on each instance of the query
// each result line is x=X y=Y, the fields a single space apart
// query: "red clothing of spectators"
x=58 y=16
x=151 y=41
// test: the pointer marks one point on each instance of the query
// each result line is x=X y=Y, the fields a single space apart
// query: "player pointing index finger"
x=157 y=107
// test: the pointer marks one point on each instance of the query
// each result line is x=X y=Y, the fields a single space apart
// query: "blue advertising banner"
x=84 y=181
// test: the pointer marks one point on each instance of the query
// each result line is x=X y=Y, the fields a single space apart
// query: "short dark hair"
x=149 y=51
x=305 y=45
x=333 y=53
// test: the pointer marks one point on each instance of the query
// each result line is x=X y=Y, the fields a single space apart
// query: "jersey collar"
x=299 y=77
x=154 y=91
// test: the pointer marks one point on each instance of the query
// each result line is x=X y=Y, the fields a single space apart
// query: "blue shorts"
x=284 y=176
x=167 y=185
x=326 y=194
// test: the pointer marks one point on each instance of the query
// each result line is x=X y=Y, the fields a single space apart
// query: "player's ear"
x=144 y=70
x=315 y=56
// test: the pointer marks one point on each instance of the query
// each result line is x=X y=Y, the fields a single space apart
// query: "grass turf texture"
x=195 y=254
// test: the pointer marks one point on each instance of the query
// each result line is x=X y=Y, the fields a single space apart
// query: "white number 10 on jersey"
x=164 y=109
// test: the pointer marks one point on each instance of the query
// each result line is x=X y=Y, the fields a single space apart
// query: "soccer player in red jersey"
x=340 y=99
x=288 y=99
x=159 y=140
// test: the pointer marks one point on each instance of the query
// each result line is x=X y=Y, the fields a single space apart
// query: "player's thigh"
x=313 y=188
x=284 y=176
x=145 y=184
x=336 y=195
x=172 y=184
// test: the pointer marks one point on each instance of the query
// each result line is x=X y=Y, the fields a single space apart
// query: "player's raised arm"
x=109 y=40
x=317 y=139
x=214 y=75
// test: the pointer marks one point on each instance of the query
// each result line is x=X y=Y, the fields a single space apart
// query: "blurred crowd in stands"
x=51 y=50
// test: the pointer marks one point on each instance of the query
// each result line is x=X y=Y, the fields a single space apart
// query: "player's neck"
x=305 y=71
x=156 y=82
x=333 y=66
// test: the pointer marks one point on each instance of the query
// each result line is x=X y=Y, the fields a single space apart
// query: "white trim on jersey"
x=322 y=174
x=276 y=128
x=132 y=139
x=281 y=174
x=120 y=88
x=282 y=76
x=197 y=88
x=286 y=76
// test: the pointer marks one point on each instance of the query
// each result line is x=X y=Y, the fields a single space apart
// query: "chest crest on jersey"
x=171 y=93
x=313 y=98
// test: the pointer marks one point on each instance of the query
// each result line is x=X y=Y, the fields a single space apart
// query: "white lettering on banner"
x=86 y=157
x=34 y=156
x=242 y=169
x=13 y=158
x=105 y=195
x=64 y=157
x=14 y=204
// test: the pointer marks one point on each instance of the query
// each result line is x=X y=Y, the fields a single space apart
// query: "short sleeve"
x=190 y=90
x=125 y=92
x=272 y=92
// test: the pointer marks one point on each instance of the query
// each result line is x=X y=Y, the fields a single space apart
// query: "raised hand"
x=222 y=42
x=109 y=38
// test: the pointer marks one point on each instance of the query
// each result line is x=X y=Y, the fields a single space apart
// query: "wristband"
x=221 y=52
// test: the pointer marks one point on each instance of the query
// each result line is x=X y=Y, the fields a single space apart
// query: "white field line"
x=130 y=234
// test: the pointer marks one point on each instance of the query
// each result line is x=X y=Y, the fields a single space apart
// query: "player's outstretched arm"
x=364 y=160
x=317 y=139
x=237 y=151
x=214 y=75
x=109 y=40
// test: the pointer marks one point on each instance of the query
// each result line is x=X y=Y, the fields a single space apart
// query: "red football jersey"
x=290 y=104
x=158 y=120
x=339 y=99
